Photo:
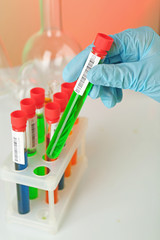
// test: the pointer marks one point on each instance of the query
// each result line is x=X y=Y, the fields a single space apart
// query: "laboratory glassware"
x=102 y=44
x=28 y=106
x=19 y=156
x=62 y=99
x=52 y=115
x=46 y=53
x=38 y=96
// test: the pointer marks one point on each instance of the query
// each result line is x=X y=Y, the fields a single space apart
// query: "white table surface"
x=119 y=195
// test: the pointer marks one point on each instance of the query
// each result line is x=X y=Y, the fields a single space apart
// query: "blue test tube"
x=19 y=156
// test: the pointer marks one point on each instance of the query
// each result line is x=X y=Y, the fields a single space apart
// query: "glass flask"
x=7 y=75
x=46 y=52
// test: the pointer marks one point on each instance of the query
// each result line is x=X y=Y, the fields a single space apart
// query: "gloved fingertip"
x=66 y=75
x=109 y=103
x=91 y=75
x=94 y=93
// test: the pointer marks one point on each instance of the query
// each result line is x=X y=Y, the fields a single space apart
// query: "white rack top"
x=57 y=167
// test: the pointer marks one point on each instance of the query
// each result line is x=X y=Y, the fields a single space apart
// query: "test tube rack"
x=45 y=216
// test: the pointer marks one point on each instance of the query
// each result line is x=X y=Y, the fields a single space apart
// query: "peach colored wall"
x=19 y=19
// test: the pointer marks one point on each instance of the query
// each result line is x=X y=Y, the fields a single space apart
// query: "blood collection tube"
x=38 y=95
x=102 y=44
x=28 y=106
x=61 y=99
x=68 y=88
x=19 y=148
x=52 y=115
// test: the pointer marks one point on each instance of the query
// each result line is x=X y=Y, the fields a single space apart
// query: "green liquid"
x=33 y=193
x=66 y=123
x=31 y=152
x=41 y=127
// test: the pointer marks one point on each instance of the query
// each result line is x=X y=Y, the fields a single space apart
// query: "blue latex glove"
x=134 y=63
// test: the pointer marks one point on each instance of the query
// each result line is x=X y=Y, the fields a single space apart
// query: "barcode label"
x=53 y=129
x=32 y=139
x=18 y=141
x=82 y=81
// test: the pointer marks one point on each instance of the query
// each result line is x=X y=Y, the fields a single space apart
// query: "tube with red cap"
x=19 y=156
x=61 y=98
x=68 y=88
x=38 y=96
x=52 y=115
x=28 y=106
x=102 y=44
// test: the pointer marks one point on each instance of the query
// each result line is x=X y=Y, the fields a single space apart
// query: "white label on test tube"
x=31 y=130
x=82 y=81
x=18 y=141
x=53 y=129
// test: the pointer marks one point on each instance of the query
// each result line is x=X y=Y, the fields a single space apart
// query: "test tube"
x=68 y=89
x=38 y=96
x=102 y=44
x=47 y=97
x=28 y=106
x=52 y=115
x=19 y=156
x=61 y=99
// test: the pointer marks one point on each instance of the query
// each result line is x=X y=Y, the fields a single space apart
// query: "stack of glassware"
x=46 y=53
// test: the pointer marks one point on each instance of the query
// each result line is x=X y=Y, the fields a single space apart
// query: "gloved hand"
x=133 y=62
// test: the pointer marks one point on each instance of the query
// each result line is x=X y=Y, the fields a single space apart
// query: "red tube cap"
x=28 y=106
x=52 y=112
x=102 y=43
x=18 y=120
x=62 y=99
x=38 y=95
x=68 y=88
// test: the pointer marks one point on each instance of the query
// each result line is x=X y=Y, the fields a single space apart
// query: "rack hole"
x=45 y=158
x=43 y=214
x=41 y=171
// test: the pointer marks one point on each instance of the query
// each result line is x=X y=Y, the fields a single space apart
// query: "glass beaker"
x=47 y=52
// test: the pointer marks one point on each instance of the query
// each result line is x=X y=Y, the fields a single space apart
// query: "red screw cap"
x=52 y=112
x=38 y=95
x=18 y=120
x=102 y=43
x=68 y=88
x=62 y=99
x=28 y=106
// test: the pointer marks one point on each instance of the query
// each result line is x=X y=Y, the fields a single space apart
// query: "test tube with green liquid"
x=38 y=96
x=28 y=106
x=102 y=44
